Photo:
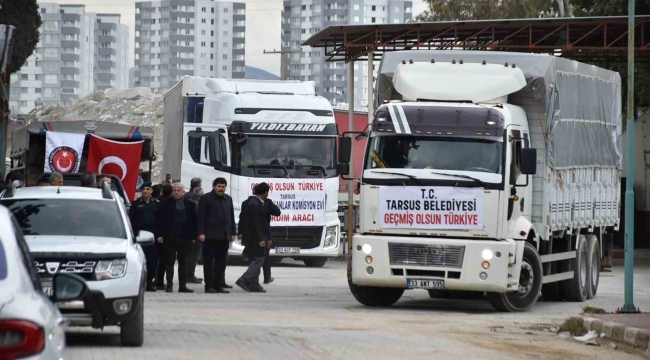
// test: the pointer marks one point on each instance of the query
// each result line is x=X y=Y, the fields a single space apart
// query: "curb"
x=632 y=336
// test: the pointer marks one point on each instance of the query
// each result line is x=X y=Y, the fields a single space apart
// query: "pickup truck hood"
x=76 y=244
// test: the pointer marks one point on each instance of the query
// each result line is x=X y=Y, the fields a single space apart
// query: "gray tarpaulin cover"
x=581 y=103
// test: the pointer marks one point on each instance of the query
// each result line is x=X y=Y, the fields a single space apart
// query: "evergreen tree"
x=25 y=16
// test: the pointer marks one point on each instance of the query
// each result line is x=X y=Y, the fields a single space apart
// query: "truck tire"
x=373 y=296
x=594 y=265
x=132 y=331
x=577 y=289
x=315 y=262
x=530 y=285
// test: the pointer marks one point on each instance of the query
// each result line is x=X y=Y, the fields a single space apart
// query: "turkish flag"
x=121 y=159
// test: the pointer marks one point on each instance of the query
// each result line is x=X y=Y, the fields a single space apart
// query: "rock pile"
x=136 y=106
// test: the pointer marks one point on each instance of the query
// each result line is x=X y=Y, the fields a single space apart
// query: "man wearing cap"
x=143 y=213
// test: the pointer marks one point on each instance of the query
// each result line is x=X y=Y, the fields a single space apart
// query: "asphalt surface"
x=310 y=314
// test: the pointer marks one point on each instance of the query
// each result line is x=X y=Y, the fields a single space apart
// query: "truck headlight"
x=330 y=237
x=111 y=269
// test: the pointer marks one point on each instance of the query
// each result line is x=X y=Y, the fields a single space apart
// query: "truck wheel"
x=577 y=289
x=373 y=296
x=132 y=331
x=316 y=262
x=530 y=284
x=594 y=265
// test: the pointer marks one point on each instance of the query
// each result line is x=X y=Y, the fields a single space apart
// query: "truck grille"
x=85 y=269
x=304 y=237
x=426 y=255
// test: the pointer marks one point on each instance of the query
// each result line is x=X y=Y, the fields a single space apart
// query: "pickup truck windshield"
x=67 y=217
x=421 y=152
x=301 y=157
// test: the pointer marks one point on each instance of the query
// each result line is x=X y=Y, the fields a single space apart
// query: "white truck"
x=487 y=172
x=251 y=131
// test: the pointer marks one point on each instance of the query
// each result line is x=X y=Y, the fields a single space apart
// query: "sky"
x=263 y=22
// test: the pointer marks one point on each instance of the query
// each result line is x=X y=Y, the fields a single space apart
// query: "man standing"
x=256 y=238
x=175 y=230
x=143 y=213
x=271 y=210
x=194 y=195
x=88 y=179
x=216 y=229
x=56 y=179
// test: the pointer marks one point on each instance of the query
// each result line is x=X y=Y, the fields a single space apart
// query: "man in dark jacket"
x=194 y=195
x=143 y=214
x=216 y=229
x=256 y=237
x=271 y=210
x=176 y=230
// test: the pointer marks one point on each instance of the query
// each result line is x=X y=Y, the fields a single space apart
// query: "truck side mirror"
x=345 y=149
x=362 y=136
x=343 y=169
x=528 y=164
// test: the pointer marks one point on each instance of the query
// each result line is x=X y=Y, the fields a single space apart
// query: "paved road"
x=310 y=314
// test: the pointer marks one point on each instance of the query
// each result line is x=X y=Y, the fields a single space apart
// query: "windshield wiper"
x=412 y=177
x=479 y=181
x=255 y=167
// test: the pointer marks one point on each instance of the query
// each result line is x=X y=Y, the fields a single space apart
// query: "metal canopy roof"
x=596 y=38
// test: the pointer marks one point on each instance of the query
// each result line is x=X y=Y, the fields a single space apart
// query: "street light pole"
x=629 y=185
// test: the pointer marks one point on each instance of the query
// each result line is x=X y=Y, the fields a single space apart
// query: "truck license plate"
x=425 y=284
x=287 y=250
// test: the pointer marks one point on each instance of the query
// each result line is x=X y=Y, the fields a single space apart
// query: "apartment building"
x=112 y=61
x=175 y=38
x=64 y=63
x=303 y=18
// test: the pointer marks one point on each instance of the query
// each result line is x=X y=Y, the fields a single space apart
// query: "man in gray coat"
x=194 y=195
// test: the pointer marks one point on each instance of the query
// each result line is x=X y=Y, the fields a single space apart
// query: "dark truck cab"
x=28 y=147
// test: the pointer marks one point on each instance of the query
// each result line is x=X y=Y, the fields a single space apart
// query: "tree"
x=452 y=10
x=24 y=15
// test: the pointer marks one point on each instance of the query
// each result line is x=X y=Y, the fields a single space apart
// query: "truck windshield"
x=300 y=157
x=420 y=152
x=67 y=217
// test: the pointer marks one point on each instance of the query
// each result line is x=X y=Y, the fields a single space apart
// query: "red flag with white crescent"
x=121 y=159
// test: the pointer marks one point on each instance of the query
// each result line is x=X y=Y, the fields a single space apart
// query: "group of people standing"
x=187 y=225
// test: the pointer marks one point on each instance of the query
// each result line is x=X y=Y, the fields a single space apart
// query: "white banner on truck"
x=301 y=201
x=430 y=207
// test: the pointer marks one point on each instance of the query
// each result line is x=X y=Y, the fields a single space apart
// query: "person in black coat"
x=256 y=237
x=176 y=230
x=143 y=215
x=271 y=210
x=216 y=229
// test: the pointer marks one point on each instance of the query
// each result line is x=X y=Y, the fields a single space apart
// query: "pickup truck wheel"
x=594 y=265
x=132 y=331
x=373 y=296
x=530 y=285
x=316 y=262
x=577 y=289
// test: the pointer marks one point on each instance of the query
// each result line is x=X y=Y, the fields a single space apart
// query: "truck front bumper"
x=429 y=259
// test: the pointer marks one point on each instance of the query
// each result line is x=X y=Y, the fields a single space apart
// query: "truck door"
x=206 y=154
x=520 y=200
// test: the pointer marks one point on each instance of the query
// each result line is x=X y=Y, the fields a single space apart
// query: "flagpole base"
x=629 y=309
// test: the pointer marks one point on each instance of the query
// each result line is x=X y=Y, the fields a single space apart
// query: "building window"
x=203 y=43
x=24 y=76
x=37 y=90
x=373 y=20
x=211 y=32
x=225 y=44
x=356 y=19
x=408 y=10
x=225 y=56
x=212 y=45
x=203 y=21
x=212 y=21
x=225 y=33
x=211 y=68
x=202 y=55
x=203 y=32
x=373 y=8
x=51 y=25
x=225 y=22
x=212 y=9
x=203 y=9
x=224 y=68
x=211 y=56
x=225 y=10
x=51 y=79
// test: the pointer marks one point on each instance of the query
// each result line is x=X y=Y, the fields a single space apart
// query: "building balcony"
x=174 y=26
x=69 y=57
x=70 y=17
x=106 y=64
x=184 y=49
x=106 y=39
x=106 y=26
x=70 y=31
x=70 y=44
x=69 y=84
x=182 y=61
x=179 y=37
x=105 y=76
x=69 y=71
x=106 y=51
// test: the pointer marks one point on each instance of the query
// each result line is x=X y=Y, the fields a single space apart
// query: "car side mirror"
x=528 y=164
x=144 y=238
x=345 y=149
x=68 y=287
x=343 y=169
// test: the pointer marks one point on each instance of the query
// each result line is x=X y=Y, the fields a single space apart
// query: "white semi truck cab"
x=250 y=132
x=473 y=183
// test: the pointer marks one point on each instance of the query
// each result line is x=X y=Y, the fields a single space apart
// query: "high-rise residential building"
x=175 y=38
x=302 y=19
x=65 y=63
x=112 y=56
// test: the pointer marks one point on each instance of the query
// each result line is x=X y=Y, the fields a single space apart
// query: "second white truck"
x=487 y=172
x=250 y=131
